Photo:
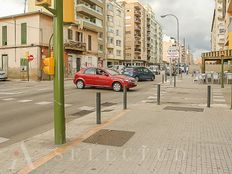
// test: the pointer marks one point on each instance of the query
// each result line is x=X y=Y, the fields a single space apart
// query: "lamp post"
x=178 y=37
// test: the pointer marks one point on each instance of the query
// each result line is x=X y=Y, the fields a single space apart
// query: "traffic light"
x=48 y=65
x=43 y=2
x=68 y=9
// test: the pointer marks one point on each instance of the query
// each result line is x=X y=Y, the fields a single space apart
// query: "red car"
x=102 y=78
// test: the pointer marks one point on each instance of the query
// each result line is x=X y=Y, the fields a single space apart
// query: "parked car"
x=154 y=69
x=3 y=74
x=100 y=77
x=139 y=73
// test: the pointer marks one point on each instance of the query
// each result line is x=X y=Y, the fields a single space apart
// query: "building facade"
x=114 y=32
x=88 y=18
x=159 y=43
x=135 y=33
x=23 y=35
x=218 y=27
x=167 y=43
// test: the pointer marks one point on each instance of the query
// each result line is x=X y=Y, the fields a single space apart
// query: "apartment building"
x=135 y=33
x=22 y=35
x=218 y=27
x=89 y=20
x=159 y=43
x=227 y=15
x=151 y=36
x=114 y=32
x=167 y=43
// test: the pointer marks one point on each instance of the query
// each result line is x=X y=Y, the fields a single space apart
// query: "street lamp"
x=178 y=37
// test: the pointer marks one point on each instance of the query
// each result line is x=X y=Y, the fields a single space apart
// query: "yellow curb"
x=63 y=148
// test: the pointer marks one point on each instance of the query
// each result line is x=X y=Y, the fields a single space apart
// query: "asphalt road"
x=26 y=108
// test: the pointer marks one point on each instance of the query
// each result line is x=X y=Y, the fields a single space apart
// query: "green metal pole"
x=222 y=77
x=59 y=112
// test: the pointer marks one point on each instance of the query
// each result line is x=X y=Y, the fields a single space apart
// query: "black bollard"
x=124 y=97
x=208 y=96
x=158 y=94
x=98 y=107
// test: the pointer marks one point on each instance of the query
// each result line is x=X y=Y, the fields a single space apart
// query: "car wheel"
x=80 y=84
x=117 y=86
x=137 y=79
x=152 y=78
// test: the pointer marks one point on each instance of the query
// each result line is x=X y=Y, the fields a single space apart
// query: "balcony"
x=137 y=20
x=137 y=42
x=86 y=23
x=137 y=50
x=110 y=56
x=100 y=3
x=137 y=36
x=137 y=13
x=77 y=46
x=86 y=10
x=230 y=25
x=137 y=28
x=110 y=45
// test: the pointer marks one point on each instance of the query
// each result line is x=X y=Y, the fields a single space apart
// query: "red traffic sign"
x=30 y=57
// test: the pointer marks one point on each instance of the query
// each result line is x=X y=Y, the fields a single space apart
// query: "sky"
x=195 y=18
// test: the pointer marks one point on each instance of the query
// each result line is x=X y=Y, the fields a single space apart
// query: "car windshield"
x=112 y=72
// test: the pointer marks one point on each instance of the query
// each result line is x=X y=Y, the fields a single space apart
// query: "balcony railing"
x=73 y=45
x=88 y=7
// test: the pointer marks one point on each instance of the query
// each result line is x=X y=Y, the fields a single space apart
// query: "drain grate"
x=82 y=113
x=185 y=109
x=110 y=137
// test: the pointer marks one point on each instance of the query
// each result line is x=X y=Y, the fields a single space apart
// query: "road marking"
x=10 y=93
x=218 y=96
x=152 y=97
x=8 y=99
x=24 y=101
x=2 y=139
x=63 y=148
x=43 y=89
x=43 y=103
x=86 y=108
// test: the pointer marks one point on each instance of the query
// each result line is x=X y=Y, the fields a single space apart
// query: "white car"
x=3 y=74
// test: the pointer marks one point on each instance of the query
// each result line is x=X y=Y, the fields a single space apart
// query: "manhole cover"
x=110 y=137
x=186 y=109
x=108 y=104
x=82 y=113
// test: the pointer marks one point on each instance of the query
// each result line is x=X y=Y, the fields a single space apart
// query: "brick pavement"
x=165 y=142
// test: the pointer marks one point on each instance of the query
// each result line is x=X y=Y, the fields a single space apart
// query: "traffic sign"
x=173 y=52
x=30 y=57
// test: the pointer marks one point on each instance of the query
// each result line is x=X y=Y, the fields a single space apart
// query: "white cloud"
x=10 y=7
x=195 y=17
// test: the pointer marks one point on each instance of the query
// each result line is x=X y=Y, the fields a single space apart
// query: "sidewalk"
x=181 y=136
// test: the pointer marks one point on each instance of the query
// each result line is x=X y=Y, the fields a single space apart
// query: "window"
x=100 y=35
x=110 y=6
x=110 y=18
x=119 y=12
x=100 y=47
x=118 y=52
x=79 y=36
x=117 y=32
x=4 y=35
x=118 y=42
x=110 y=40
x=110 y=51
x=110 y=30
x=70 y=34
x=89 y=42
x=90 y=71
x=24 y=33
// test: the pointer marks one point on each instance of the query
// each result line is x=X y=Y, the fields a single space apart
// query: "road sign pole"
x=59 y=111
